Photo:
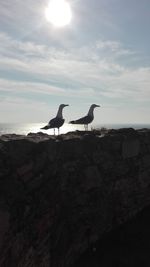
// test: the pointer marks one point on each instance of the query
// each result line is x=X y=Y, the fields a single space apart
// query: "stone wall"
x=60 y=195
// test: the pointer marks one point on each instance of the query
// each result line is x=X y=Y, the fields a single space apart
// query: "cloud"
x=78 y=72
x=77 y=65
x=114 y=47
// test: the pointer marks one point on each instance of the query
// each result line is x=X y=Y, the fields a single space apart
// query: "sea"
x=26 y=128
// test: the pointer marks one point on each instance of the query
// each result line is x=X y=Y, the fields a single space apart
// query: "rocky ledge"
x=60 y=195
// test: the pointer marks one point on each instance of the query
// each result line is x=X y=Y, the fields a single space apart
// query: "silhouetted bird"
x=58 y=121
x=87 y=119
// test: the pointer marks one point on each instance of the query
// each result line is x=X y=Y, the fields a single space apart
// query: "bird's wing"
x=56 y=122
x=83 y=120
x=50 y=125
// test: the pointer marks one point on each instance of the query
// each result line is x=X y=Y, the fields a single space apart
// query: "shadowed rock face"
x=126 y=246
x=60 y=195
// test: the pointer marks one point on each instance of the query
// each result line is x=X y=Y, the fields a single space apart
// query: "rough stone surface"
x=59 y=195
x=126 y=246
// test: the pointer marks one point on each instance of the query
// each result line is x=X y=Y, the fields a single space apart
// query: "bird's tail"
x=72 y=122
x=45 y=127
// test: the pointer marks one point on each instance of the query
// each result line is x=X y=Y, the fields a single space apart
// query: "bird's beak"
x=97 y=105
x=66 y=105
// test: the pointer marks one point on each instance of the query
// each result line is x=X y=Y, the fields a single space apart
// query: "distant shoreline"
x=25 y=128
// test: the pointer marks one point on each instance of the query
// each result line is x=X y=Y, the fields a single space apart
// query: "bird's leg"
x=85 y=127
x=58 y=131
x=54 y=131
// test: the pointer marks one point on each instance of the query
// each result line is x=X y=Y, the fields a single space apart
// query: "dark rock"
x=130 y=148
x=60 y=195
x=125 y=246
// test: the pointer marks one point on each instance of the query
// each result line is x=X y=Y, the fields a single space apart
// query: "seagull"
x=58 y=121
x=87 y=119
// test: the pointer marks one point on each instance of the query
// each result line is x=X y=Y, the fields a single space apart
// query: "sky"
x=101 y=57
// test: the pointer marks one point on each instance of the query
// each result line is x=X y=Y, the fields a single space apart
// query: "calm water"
x=25 y=128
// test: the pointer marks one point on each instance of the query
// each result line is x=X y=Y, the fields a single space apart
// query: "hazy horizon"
x=25 y=128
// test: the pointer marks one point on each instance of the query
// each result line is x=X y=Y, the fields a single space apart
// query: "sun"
x=58 y=13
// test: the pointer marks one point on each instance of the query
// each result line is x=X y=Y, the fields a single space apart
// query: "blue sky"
x=101 y=57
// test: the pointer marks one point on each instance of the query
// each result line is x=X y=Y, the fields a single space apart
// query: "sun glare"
x=58 y=13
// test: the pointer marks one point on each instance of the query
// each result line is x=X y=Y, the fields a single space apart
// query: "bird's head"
x=64 y=105
x=95 y=106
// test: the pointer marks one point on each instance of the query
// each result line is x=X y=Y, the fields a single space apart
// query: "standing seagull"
x=88 y=118
x=58 y=121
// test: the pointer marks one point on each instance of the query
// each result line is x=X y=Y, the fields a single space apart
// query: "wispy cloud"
x=57 y=71
x=86 y=72
x=114 y=47
x=94 y=60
